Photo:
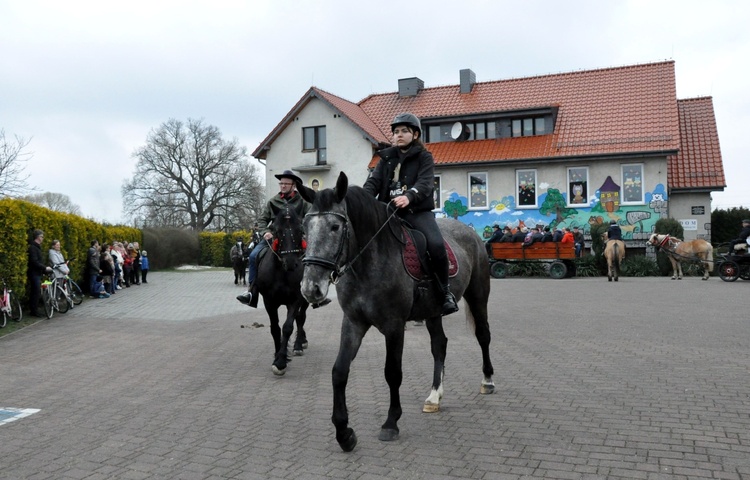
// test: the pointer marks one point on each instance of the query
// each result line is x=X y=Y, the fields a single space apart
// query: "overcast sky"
x=87 y=81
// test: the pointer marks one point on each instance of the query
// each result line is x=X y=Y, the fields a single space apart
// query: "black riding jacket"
x=415 y=179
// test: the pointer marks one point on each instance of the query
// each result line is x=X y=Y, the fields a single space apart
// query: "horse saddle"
x=414 y=255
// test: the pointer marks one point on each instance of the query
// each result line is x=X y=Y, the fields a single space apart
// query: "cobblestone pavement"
x=644 y=378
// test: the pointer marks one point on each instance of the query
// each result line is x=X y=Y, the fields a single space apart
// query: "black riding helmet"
x=408 y=119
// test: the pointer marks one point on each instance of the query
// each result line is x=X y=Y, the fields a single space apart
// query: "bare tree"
x=12 y=160
x=57 y=202
x=187 y=175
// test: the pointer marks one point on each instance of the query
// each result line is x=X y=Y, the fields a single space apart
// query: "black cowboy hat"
x=290 y=175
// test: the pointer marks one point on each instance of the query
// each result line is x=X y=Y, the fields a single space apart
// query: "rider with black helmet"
x=405 y=177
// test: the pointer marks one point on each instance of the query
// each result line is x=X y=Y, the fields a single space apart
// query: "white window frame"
x=536 y=188
x=439 y=193
x=486 y=205
x=623 y=200
x=569 y=193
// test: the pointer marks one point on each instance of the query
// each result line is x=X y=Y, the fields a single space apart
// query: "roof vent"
x=468 y=79
x=409 y=87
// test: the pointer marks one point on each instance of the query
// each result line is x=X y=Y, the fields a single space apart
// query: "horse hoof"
x=349 y=441
x=388 y=435
x=487 y=389
x=617 y=279
x=298 y=353
x=430 y=408
x=278 y=371
x=304 y=345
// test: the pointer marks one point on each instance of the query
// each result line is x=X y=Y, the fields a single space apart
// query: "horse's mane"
x=366 y=213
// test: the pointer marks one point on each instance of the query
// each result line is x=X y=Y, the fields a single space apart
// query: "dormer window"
x=526 y=127
x=528 y=123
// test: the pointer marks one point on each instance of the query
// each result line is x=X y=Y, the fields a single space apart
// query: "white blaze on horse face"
x=321 y=243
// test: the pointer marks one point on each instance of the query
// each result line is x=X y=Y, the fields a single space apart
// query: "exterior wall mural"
x=636 y=221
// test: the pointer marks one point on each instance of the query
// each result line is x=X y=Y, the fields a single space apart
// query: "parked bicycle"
x=70 y=293
x=10 y=306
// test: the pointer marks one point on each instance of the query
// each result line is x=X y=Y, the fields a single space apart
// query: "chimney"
x=409 y=87
x=468 y=79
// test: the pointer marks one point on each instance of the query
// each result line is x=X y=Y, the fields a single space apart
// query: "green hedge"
x=19 y=219
x=215 y=247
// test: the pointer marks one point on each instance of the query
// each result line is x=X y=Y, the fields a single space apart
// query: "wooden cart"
x=560 y=257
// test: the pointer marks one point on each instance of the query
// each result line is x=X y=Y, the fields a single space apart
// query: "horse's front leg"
x=300 y=340
x=394 y=348
x=273 y=316
x=439 y=347
x=351 y=339
x=282 y=353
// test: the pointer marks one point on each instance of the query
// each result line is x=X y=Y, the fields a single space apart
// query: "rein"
x=336 y=271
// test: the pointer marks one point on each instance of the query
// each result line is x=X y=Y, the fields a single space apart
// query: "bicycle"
x=49 y=286
x=67 y=292
x=10 y=306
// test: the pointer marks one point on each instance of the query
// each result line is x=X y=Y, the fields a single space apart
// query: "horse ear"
x=307 y=193
x=342 y=184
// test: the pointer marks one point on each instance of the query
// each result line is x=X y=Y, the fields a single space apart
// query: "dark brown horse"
x=680 y=251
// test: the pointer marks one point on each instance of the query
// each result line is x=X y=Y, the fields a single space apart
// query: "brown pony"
x=614 y=252
x=680 y=251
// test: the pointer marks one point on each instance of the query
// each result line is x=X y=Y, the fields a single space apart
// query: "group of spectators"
x=528 y=236
x=109 y=267
x=114 y=266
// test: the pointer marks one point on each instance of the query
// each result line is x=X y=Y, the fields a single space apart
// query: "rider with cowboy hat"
x=287 y=196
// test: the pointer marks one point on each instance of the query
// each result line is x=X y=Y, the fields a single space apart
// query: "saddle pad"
x=412 y=263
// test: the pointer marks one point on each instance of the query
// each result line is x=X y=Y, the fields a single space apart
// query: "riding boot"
x=449 y=302
x=246 y=297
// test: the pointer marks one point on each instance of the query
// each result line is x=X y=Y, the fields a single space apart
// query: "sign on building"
x=689 y=224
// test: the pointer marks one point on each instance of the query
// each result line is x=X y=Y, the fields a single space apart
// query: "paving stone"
x=645 y=379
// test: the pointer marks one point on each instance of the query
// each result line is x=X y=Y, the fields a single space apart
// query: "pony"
x=238 y=255
x=278 y=281
x=355 y=242
x=680 y=251
x=614 y=252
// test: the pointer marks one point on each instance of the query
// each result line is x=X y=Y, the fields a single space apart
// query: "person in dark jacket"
x=92 y=267
x=579 y=240
x=614 y=232
x=405 y=178
x=520 y=235
x=287 y=196
x=557 y=236
x=496 y=237
x=547 y=235
x=36 y=268
x=507 y=235
x=742 y=238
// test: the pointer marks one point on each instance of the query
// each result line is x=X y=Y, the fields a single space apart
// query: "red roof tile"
x=698 y=165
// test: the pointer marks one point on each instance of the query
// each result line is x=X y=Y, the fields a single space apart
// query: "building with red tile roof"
x=538 y=150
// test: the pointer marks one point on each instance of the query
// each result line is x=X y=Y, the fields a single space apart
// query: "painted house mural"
x=636 y=222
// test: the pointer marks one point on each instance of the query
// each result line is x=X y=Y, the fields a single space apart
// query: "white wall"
x=347 y=150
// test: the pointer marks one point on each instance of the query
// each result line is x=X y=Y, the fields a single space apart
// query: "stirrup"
x=449 y=304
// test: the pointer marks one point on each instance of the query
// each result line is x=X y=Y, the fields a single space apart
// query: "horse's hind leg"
x=477 y=315
x=439 y=347
x=351 y=339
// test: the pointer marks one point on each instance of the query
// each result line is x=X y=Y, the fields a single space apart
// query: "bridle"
x=287 y=234
x=338 y=271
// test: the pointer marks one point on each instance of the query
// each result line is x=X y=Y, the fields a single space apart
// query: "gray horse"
x=355 y=242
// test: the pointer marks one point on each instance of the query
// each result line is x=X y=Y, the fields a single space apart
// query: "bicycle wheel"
x=48 y=300
x=16 y=313
x=61 y=299
x=75 y=292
